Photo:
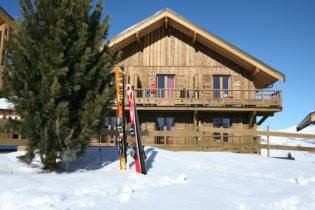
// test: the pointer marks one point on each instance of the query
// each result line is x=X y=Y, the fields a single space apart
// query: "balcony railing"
x=209 y=98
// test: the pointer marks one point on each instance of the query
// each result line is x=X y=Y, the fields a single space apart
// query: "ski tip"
x=128 y=87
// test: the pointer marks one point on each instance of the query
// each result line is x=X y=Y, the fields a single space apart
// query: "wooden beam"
x=259 y=133
x=199 y=108
x=195 y=120
x=262 y=119
x=166 y=22
x=230 y=147
x=195 y=37
x=137 y=37
x=252 y=118
x=256 y=71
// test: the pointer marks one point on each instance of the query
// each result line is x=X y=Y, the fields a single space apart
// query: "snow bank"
x=175 y=180
x=5 y=104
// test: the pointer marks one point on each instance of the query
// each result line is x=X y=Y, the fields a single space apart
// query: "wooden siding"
x=4 y=33
x=190 y=121
x=169 y=51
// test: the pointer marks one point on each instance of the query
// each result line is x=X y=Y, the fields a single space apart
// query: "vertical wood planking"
x=175 y=52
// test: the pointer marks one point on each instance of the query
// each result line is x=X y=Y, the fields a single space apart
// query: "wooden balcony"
x=202 y=98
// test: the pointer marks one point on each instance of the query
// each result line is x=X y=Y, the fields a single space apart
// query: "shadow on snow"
x=97 y=157
x=94 y=158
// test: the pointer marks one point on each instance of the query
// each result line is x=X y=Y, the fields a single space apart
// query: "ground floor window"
x=221 y=123
x=110 y=124
x=164 y=124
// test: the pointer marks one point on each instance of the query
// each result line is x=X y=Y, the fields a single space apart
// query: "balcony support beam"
x=195 y=120
x=263 y=119
x=252 y=119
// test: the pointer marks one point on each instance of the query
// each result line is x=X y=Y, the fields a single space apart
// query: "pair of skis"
x=138 y=150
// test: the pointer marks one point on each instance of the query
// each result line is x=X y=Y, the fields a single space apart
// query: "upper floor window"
x=165 y=85
x=221 y=85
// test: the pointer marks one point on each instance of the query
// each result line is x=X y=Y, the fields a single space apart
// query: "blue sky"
x=279 y=32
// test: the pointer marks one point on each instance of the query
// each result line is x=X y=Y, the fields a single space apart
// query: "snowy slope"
x=175 y=180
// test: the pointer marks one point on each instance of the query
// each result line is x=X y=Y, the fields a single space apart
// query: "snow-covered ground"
x=175 y=180
x=5 y=104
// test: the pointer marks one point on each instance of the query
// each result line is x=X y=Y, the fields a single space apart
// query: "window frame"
x=221 y=92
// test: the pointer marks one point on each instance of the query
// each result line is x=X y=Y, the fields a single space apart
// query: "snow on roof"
x=5 y=104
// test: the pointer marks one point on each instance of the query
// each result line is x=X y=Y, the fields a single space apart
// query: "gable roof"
x=263 y=74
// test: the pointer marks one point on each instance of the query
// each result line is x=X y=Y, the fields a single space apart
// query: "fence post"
x=268 y=143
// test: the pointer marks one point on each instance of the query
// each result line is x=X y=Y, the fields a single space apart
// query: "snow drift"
x=175 y=180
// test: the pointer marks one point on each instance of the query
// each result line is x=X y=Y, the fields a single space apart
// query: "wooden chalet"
x=307 y=121
x=7 y=25
x=186 y=78
x=187 y=81
x=7 y=111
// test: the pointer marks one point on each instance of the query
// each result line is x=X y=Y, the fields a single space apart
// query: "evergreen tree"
x=57 y=74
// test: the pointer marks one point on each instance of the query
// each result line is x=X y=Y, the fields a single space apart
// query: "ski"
x=121 y=133
x=139 y=154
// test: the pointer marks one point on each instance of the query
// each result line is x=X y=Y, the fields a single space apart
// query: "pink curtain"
x=170 y=85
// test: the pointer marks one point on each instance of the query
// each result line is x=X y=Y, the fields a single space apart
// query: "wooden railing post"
x=268 y=143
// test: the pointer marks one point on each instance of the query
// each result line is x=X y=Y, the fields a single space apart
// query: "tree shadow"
x=97 y=157
x=94 y=158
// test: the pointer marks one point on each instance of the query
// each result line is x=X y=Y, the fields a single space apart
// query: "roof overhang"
x=263 y=74
x=6 y=18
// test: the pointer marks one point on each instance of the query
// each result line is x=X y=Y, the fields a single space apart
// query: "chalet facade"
x=186 y=78
x=7 y=25
x=7 y=111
